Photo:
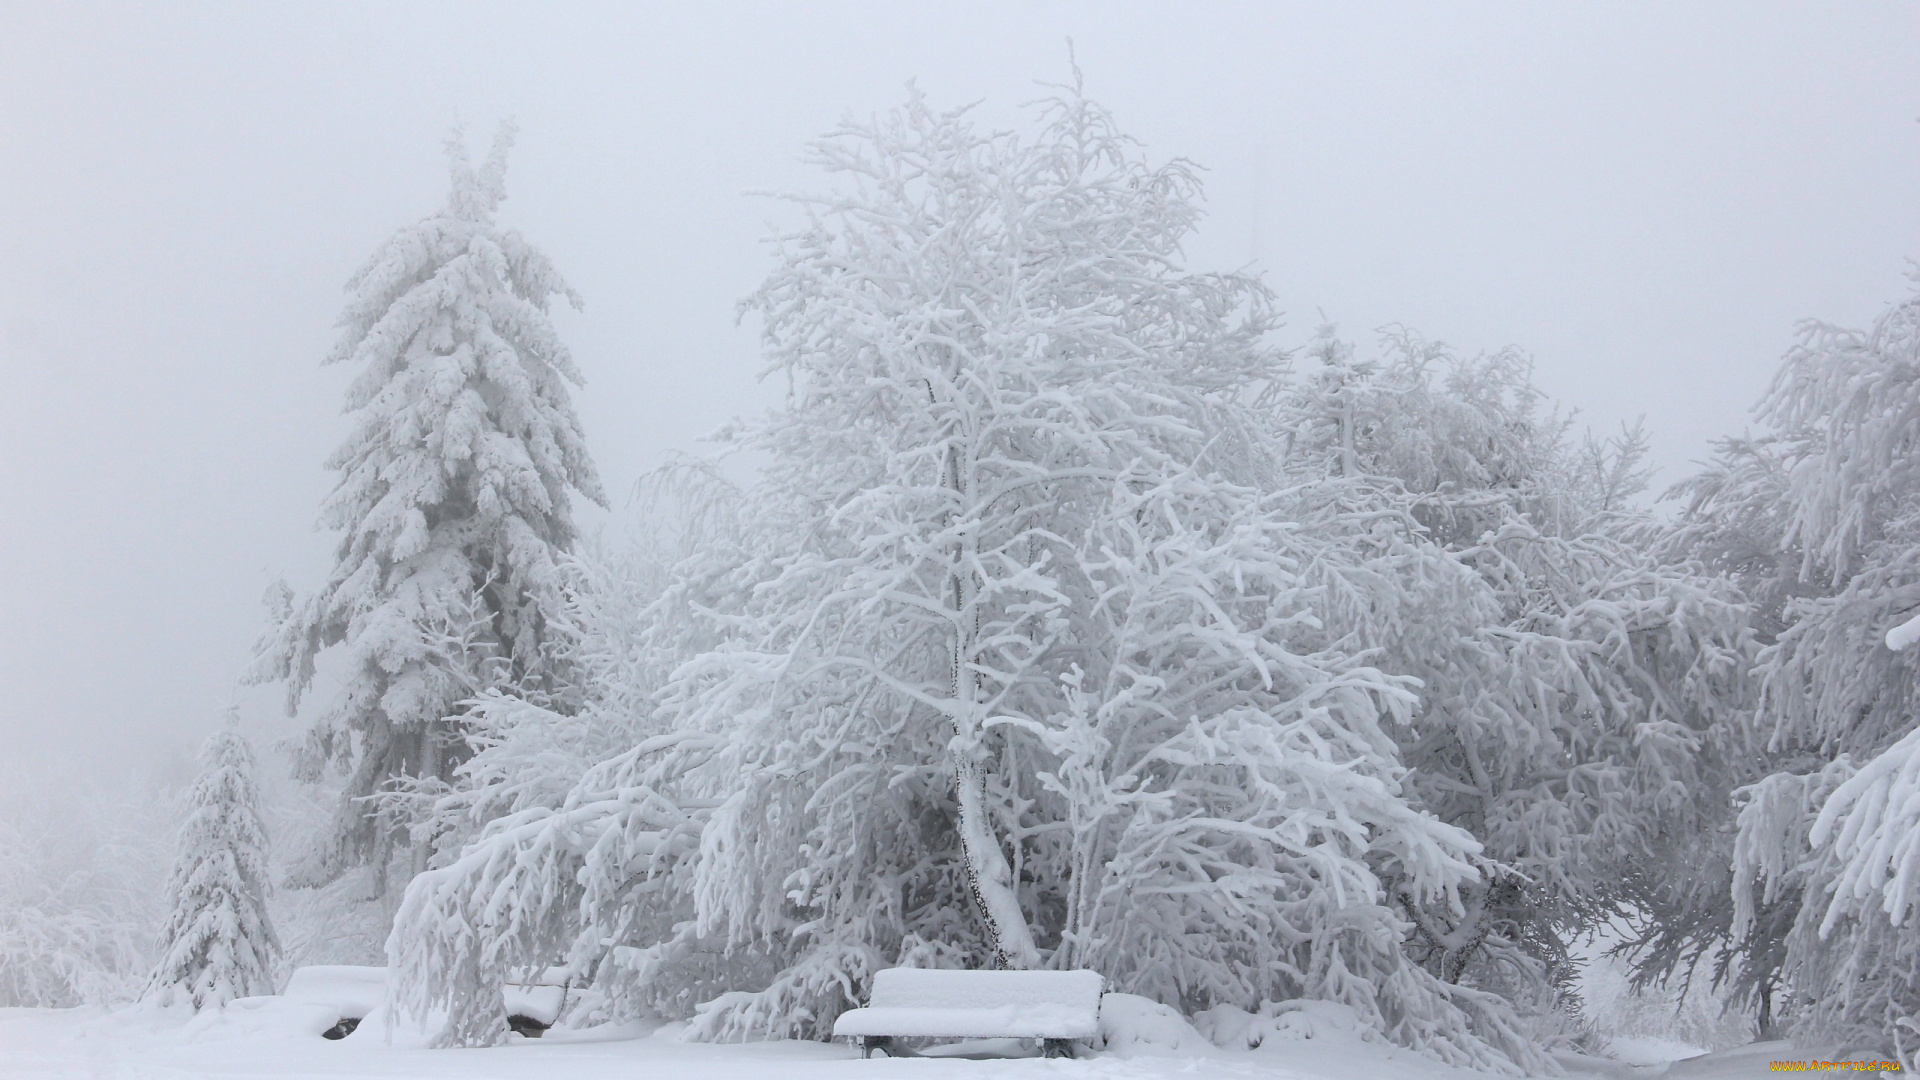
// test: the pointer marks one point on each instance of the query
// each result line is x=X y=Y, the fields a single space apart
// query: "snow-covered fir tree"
x=217 y=943
x=1026 y=659
x=454 y=506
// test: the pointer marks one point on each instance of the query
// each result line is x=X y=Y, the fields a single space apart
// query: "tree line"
x=1068 y=621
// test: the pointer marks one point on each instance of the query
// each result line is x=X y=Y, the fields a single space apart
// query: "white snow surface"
x=1648 y=1050
x=275 y=1037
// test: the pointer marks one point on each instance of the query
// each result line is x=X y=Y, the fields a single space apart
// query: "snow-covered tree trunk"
x=454 y=505
x=989 y=875
x=217 y=943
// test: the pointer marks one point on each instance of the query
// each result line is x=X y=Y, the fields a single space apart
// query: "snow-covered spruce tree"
x=454 y=503
x=1572 y=684
x=1822 y=514
x=1017 y=675
x=217 y=943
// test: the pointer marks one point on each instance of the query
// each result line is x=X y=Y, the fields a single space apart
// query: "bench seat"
x=1055 y=1006
x=1005 y=1022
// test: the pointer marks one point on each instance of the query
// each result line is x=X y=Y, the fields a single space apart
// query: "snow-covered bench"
x=351 y=992
x=355 y=992
x=1055 y=1007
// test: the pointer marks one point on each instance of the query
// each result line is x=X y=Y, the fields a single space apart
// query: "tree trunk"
x=989 y=877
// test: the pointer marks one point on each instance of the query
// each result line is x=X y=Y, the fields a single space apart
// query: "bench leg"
x=870 y=1043
x=1059 y=1048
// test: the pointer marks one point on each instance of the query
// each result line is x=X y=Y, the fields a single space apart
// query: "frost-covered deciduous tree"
x=1018 y=667
x=568 y=840
x=1822 y=514
x=983 y=334
x=1230 y=780
x=1734 y=526
x=453 y=501
x=529 y=752
x=82 y=872
x=217 y=943
x=1466 y=438
x=552 y=885
x=1571 y=682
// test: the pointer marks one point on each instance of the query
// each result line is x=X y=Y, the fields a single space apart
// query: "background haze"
x=1644 y=197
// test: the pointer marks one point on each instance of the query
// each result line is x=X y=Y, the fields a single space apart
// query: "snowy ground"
x=280 y=1042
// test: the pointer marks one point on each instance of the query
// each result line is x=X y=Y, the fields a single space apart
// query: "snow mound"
x=396 y=1030
x=1132 y=1026
x=1279 y=1023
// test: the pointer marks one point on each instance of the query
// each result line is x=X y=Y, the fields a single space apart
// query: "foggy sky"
x=1646 y=198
